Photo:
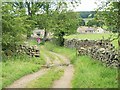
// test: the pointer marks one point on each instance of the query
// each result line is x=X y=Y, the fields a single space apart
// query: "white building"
x=85 y=29
x=38 y=33
x=100 y=30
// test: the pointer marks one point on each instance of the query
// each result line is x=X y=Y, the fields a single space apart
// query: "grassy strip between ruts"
x=89 y=73
x=52 y=58
x=46 y=81
x=15 y=67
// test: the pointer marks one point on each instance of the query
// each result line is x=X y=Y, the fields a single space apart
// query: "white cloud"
x=86 y=5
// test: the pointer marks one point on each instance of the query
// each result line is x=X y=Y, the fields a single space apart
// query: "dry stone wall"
x=29 y=50
x=101 y=50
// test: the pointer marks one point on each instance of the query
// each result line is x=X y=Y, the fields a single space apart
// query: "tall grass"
x=17 y=66
x=46 y=80
x=89 y=73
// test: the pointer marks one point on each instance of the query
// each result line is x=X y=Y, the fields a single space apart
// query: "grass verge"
x=15 y=67
x=46 y=80
x=89 y=73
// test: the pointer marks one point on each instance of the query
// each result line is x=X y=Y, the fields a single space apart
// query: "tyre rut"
x=59 y=60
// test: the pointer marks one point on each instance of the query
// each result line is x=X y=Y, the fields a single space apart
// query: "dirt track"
x=63 y=82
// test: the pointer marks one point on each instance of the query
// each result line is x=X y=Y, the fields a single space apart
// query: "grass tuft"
x=91 y=74
x=46 y=80
x=16 y=67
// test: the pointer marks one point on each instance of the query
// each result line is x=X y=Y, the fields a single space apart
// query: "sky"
x=86 y=5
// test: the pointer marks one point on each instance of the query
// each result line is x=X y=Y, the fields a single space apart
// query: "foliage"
x=81 y=22
x=20 y=18
x=94 y=22
x=43 y=19
x=57 y=20
x=110 y=16
x=15 y=24
x=65 y=23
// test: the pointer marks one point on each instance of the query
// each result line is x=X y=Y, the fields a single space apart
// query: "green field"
x=95 y=36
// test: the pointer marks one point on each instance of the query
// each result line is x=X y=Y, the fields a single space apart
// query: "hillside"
x=86 y=14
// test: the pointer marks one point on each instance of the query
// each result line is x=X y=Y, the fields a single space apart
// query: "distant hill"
x=86 y=14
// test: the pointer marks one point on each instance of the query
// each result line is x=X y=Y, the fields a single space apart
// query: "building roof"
x=85 y=28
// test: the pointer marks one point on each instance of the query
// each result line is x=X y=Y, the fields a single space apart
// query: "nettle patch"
x=102 y=50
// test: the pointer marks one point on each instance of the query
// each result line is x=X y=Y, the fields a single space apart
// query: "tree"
x=110 y=16
x=15 y=24
x=48 y=19
x=94 y=22
x=32 y=8
x=43 y=17
x=81 y=22
x=64 y=23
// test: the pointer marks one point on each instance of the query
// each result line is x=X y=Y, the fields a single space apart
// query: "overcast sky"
x=86 y=5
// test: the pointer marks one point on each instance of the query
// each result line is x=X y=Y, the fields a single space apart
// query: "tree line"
x=20 y=18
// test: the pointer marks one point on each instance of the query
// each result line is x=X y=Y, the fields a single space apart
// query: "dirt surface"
x=56 y=61
x=22 y=82
x=47 y=60
x=63 y=60
x=65 y=80
x=59 y=60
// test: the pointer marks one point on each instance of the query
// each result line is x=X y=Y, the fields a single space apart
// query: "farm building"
x=38 y=33
x=85 y=29
x=100 y=30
